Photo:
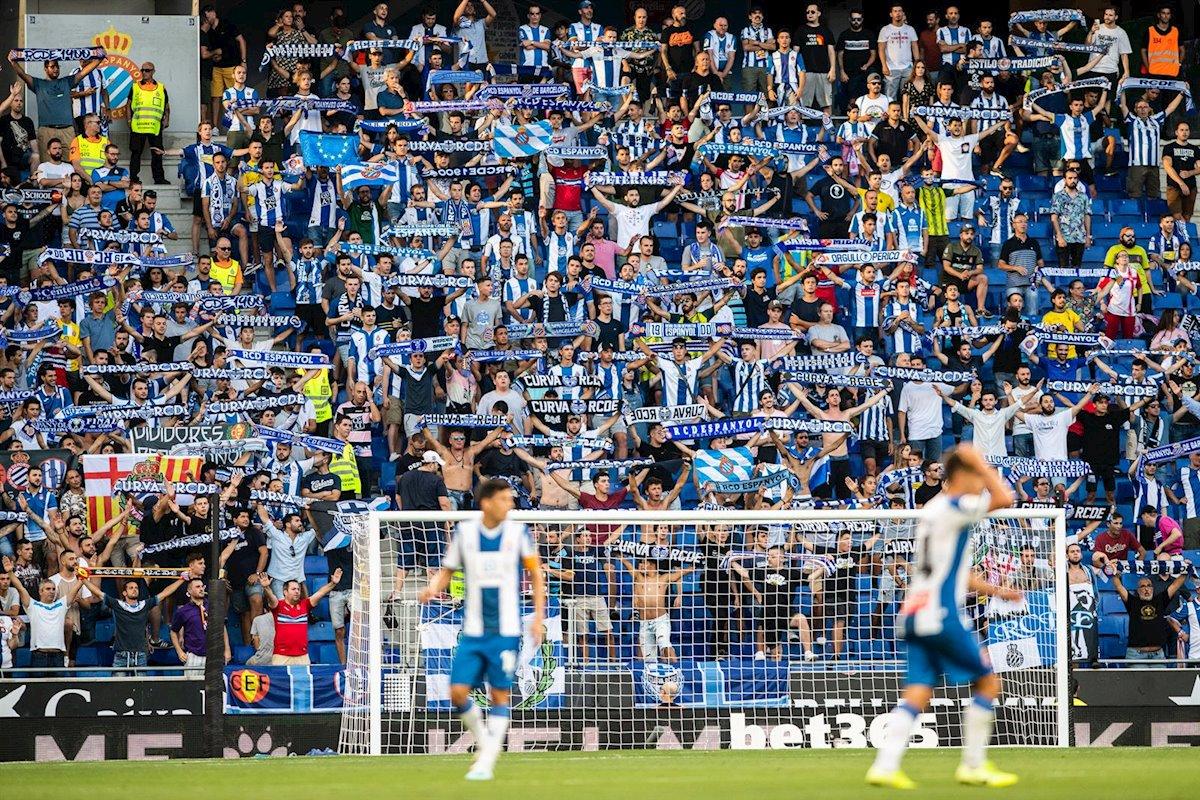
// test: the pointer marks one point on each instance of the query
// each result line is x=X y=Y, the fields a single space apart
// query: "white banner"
x=1014 y=654
x=171 y=43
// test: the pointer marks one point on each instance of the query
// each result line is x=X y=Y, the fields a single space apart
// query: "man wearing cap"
x=421 y=488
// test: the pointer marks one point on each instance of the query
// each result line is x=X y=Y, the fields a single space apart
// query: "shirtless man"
x=650 y=600
x=656 y=499
x=459 y=472
x=554 y=497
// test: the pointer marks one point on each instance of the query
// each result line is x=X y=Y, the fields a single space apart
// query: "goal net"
x=703 y=630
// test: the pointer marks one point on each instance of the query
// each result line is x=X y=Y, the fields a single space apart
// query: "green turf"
x=1087 y=774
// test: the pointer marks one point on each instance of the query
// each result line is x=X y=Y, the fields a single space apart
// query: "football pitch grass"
x=1087 y=774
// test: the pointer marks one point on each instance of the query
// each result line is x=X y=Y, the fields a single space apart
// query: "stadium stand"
x=409 y=265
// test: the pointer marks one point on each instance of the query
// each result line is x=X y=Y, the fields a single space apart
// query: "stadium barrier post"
x=214 y=663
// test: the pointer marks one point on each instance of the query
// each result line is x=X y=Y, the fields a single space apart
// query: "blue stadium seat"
x=1034 y=183
x=316 y=565
x=1155 y=207
x=1124 y=205
x=320 y=632
x=326 y=654
x=241 y=653
x=104 y=630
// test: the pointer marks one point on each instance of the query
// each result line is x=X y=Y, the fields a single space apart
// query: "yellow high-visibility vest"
x=345 y=466
x=90 y=154
x=320 y=392
x=146 y=108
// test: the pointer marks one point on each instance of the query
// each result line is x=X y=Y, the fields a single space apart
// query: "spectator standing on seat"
x=189 y=630
x=340 y=559
x=1179 y=160
x=292 y=616
x=898 y=48
x=288 y=544
x=1113 y=63
x=130 y=615
x=47 y=619
x=150 y=115
x=1148 y=630
x=53 y=93
x=1071 y=217
x=225 y=47
x=815 y=41
x=857 y=56
x=1145 y=150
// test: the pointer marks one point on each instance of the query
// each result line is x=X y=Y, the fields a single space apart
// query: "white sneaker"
x=760 y=656
x=810 y=656
x=480 y=773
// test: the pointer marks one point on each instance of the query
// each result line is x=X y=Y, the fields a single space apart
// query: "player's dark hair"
x=491 y=487
x=953 y=464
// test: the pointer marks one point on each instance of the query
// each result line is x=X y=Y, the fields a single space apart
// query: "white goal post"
x=704 y=629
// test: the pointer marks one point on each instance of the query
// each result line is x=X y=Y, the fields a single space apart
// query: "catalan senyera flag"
x=101 y=473
x=178 y=469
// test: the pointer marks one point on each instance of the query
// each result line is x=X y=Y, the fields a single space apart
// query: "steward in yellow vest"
x=149 y=114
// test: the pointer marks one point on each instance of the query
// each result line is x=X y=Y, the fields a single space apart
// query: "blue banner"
x=328 y=150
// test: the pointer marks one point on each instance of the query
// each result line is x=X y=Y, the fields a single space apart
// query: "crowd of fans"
x=887 y=240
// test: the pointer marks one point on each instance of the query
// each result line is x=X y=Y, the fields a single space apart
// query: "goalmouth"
x=778 y=631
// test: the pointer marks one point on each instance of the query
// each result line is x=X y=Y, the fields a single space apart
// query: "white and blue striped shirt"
x=993 y=47
x=90 y=104
x=559 y=247
x=491 y=561
x=232 y=123
x=1145 y=137
x=612 y=387
x=220 y=193
x=756 y=58
x=749 y=380
x=1190 y=478
x=309 y=280
x=362 y=342
x=586 y=34
x=785 y=68
x=959 y=34
x=872 y=423
x=268 y=201
x=1148 y=492
x=1074 y=134
x=866 y=302
x=514 y=289
x=534 y=56
x=903 y=339
x=324 y=204
x=1001 y=212
x=908 y=222
x=722 y=48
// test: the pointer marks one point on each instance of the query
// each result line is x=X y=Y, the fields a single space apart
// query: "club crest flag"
x=371 y=174
x=517 y=141
x=730 y=464
x=540 y=672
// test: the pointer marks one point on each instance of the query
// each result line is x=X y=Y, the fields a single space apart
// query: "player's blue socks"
x=468 y=712
x=895 y=738
x=978 y=719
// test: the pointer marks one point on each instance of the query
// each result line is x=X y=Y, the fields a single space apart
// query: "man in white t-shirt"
x=920 y=415
x=956 y=149
x=1049 y=426
x=47 y=620
x=898 y=49
x=633 y=220
x=1113 y=63
x=52 y=173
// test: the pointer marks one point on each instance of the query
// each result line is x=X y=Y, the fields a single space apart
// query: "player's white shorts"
x=655 y=635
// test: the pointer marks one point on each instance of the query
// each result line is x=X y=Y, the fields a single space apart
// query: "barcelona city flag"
x=101 y=473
